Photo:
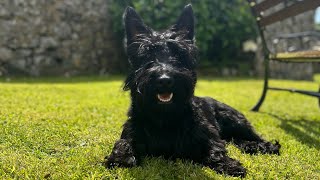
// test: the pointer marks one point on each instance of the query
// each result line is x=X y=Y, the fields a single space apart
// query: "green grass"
x=62 y=129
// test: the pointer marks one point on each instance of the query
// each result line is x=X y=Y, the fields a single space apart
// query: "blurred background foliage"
x=80 y=37
x=221 y=26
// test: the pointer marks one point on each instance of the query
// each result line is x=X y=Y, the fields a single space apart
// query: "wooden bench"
x=297 y=7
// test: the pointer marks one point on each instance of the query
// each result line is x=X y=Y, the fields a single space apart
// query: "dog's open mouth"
x=165 y=97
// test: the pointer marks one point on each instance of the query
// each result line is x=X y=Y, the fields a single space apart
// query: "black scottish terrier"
x=165 y=118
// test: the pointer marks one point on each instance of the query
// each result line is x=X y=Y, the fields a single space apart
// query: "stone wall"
x=299 y=23
x=56 y=37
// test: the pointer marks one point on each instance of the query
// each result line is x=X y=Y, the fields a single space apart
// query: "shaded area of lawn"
x=305 y=131
x=62 y=128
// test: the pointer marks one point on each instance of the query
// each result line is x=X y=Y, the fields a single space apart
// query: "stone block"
x=5 y=54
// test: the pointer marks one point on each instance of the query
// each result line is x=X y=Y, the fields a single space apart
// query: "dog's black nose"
x=165 y=81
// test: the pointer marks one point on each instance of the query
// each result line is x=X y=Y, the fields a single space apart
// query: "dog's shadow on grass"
x=305 y=131
x=159 y=168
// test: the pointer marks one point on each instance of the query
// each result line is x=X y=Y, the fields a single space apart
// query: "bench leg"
x=265 y=86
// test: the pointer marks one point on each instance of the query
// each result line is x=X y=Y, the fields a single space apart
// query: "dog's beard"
x=165 y=103
x=152 y=98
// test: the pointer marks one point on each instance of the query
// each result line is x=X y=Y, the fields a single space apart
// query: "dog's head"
x=163 y=63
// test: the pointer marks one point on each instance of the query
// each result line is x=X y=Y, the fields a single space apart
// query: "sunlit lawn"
x=62 y=129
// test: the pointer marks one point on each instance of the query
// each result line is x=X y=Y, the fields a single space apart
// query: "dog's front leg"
x=123 y=152
x=122 y=155
x=218 y=160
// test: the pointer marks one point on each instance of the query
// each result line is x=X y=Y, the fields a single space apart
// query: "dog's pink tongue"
x=165 y=95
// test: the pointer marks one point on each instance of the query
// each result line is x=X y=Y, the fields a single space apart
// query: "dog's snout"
x=165 y=81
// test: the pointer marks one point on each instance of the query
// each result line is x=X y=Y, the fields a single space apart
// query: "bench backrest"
x=296 y=7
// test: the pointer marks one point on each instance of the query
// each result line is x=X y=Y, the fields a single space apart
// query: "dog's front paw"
x=122 y=155
x=112 y=161
x=229 y=166
x=236 y=171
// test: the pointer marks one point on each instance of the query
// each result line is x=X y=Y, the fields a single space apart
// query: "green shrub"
x=221 y=26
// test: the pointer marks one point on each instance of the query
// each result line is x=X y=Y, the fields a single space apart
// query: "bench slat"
x=295 y=9
x=264 y=5
x=299 y=56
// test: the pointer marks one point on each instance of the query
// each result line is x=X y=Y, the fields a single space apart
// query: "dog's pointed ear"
x=133 y=25
x=185 y=22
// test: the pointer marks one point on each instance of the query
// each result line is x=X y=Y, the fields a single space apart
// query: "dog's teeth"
x=165 y=99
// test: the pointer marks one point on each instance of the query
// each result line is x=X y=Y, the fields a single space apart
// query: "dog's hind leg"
x=236 y=128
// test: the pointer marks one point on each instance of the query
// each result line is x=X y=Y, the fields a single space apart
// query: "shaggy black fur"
x=186 y=126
